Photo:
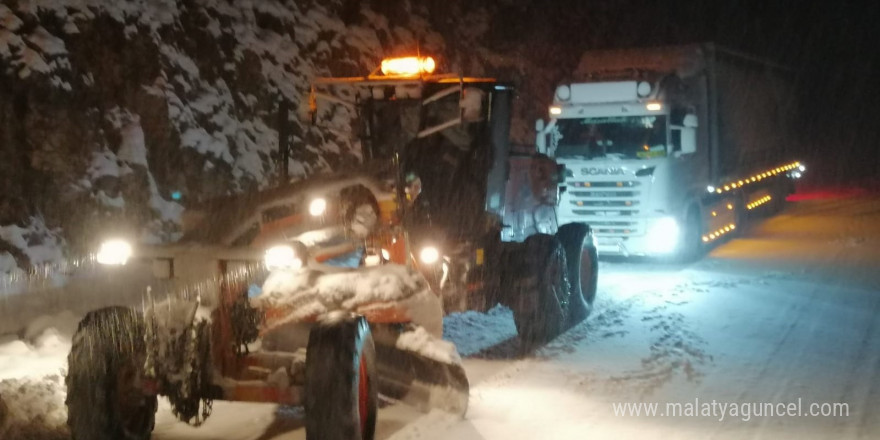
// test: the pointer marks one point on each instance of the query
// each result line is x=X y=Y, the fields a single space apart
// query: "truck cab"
x=629 y=150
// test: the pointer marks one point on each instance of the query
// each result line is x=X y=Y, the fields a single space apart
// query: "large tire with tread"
x=106 y=358
x=589 y=267
x=691 y=241
x=341 y=391
x=541 y=309
x=583 y=267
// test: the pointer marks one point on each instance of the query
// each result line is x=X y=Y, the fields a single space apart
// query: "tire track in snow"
x=674 y=350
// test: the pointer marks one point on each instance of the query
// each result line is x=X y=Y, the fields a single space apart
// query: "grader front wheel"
x=105 y=361
x=341 y=391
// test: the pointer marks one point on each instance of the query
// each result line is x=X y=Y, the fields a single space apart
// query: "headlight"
x=429 y=255
x=317 y=207
x=114 y=252
x=282 y=257
x=663 y=235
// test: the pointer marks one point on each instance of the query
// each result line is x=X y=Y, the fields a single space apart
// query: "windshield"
x=623 y=137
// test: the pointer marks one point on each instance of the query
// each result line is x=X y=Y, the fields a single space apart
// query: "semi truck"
x=669 y=149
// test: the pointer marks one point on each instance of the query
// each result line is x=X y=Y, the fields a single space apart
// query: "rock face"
x=114 y=115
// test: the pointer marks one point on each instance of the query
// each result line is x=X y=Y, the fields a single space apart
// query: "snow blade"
x=416 y=377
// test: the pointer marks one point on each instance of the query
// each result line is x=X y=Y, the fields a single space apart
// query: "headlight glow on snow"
x=663 y=235
x=429 y=255
x=282 y=257
x=317 y=207
x=114 y=253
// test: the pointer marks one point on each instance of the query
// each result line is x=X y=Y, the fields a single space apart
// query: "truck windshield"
x=619 y=137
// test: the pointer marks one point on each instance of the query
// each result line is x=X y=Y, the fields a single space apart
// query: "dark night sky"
x=833 y=47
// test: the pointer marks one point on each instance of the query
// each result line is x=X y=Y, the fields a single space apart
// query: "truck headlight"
x=282 y=257
x=114 y=253
x=663 y=235
x=317 y=207
x=429 y=255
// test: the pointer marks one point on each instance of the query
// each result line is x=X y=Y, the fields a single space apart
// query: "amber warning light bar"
x=408 y=66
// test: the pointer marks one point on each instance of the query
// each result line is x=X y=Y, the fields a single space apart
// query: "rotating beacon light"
x=408 y=66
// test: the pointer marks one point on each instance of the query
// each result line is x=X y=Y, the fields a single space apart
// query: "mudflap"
x=420 y=375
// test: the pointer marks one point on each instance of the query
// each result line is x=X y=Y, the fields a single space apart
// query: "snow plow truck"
x=325 y=292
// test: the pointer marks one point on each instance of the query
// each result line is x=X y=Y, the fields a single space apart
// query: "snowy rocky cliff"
x=114 y=115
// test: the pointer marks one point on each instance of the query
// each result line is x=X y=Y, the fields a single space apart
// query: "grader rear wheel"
x=341 y=391
x=541 y=309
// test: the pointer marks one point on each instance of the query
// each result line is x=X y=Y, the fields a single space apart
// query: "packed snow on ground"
x=474 y=331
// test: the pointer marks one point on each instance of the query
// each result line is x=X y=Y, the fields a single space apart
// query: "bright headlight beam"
x=282 y=257
x=429 y=255
x=317 y=207
x=114 y=253
x=663 y=235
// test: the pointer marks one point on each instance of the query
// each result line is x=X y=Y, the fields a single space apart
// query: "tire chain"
x=192 y=372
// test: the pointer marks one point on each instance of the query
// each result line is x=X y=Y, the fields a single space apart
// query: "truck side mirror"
x=541 y=137
x=690 y=121
x=688 y=140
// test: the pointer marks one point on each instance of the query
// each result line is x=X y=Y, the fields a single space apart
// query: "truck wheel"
x=589 y=273
x=691 y=238
x=541 y=308
x=105 y=362
x=582 y=267
x=341 y=384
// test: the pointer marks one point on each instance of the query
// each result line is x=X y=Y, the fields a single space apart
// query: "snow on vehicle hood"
x=311 y=293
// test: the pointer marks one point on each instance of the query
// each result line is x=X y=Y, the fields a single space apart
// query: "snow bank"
x=42 y=247
x=33 y=409
x=32 y=369
x=40 y=349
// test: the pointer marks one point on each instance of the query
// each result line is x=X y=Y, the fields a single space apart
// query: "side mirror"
x=690 y=121
x=541 y=137
x=472 y=104
x=688 y=140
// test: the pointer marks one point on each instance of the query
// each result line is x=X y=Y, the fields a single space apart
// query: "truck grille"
x=609 y=207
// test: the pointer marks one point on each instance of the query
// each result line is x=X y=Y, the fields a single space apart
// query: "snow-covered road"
x=786 y=314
